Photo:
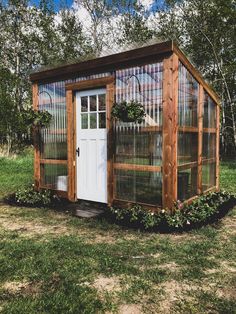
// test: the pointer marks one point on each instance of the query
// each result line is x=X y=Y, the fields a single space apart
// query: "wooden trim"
x=70 y=151
x=110 y=97
x=103 y=64
x=209 y=130
x=200 y=134
x=208 y=160
x=218 y=147
x=127 y=204
x=190 y=129
x=90 y=84
x=188 y=165
x=170 y=129
x=195 y=73
x=53 y=161
x=193 y=198
x=36 y=140
x=148 y=168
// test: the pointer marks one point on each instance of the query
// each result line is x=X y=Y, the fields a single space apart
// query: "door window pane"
x=102 y=120
x=84 y=104
x=84 y=121
x=93 y=103
x=101 y=102
x=93 y=120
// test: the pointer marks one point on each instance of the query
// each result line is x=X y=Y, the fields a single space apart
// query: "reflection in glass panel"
x=93 y=120
x=208 y=175
x=209 y=112
x=102 y=120
x=187 y=147
x=84 y=121
x=93 y=103
x=102 y=102
x=209 y=145
x=187 y=183
x=187 y=98
x=139 y=186
x=54 y=176
x=84 y=104
x=53 y=139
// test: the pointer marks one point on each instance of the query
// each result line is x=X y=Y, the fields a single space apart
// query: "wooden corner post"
x=218 y=146
x=170 y=129
x=36 y=140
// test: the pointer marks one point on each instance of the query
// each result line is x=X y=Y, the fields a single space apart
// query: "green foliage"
x=30 y=197
x=34 y=118
x=128 y=111
x=183 y=216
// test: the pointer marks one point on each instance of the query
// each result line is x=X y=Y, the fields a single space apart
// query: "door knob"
x=77 y=151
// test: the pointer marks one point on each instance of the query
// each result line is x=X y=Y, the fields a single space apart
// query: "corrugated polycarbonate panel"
x=140 y=144
x=188 y=135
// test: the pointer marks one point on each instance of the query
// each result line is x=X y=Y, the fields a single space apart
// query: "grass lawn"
x=51 y=262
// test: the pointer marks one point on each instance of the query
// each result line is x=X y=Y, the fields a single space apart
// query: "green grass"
x=53 y=262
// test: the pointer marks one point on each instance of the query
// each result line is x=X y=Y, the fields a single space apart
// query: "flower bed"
x=204 y=209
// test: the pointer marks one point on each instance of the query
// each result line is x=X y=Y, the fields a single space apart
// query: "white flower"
x=163 y=211
x=188 y=222
x=152 y=214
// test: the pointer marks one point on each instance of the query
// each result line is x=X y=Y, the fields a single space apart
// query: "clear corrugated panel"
x=209 y=143
x=140 y=144
x=188 y=133
x=54 y=176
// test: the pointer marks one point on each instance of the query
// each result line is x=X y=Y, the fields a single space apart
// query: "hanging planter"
x=132 y=111
x=36 y=119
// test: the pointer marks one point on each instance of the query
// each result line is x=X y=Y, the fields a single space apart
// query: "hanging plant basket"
x=128 y=111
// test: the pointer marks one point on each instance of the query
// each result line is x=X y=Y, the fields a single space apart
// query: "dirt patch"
x=172 y=266
x=130 y=309
x=29 y=228
x=23 y=287
x=228 y=267
x=109 y=284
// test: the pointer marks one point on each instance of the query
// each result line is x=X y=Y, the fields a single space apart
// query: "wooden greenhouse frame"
x=89 y=71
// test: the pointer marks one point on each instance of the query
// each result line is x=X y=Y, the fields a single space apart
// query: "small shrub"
x=183 y=216
x=30 y=197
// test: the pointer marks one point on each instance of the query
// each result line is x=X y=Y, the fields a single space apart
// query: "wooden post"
x=200 y=136
x=217 y=146
x=170 y=129
x=110 y=95
x=36 y=140
x=70 y=145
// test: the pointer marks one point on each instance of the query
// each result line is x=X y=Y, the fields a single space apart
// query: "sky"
x=150 y=5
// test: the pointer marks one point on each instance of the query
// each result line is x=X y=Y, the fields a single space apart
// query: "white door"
x=91 y=138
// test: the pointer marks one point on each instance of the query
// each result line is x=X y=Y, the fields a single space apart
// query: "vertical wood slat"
x=200 y=137
x=217 y=146
x=170 y=129
x=70 y=141
x=110 y=94
x=36 y=140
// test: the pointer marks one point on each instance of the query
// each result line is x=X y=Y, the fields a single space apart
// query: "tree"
x=206 y=30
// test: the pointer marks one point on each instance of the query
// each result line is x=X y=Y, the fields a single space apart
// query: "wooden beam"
x=53 y=161
x=148 y=168
x=89 y=84
x=188 y=165
x=217 y=147
x=170 y=128
x=110 y=97
x=70 y=141
x=36 y=140
x=200 y=134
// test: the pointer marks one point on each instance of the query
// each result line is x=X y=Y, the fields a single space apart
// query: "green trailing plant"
x=30 y=197
x=183 y=216
x=132 y=111
x=35 y=118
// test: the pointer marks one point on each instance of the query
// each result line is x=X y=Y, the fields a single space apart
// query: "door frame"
x=108 y=83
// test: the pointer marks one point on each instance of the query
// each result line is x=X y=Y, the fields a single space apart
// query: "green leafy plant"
x=128 y=111
x=35 y=118
x=30 y=197
x=183 y=216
